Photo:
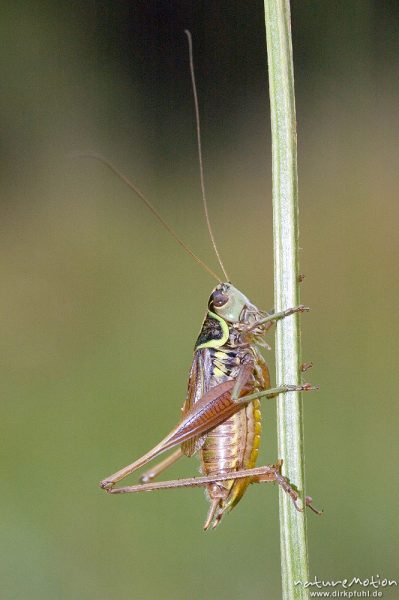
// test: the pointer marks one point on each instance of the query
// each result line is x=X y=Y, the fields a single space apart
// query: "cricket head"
x=232 y=305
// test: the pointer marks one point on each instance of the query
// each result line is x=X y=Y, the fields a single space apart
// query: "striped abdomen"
x=231 y=446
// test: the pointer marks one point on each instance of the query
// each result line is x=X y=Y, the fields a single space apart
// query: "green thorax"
x=227 y=307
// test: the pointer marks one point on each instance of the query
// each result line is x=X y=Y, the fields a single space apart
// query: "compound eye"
x=219 y=299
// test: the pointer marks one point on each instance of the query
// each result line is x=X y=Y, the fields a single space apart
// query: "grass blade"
x=294 y=558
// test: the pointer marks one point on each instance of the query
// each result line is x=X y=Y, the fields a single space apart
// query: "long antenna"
x=152 y=208
x=201 y=166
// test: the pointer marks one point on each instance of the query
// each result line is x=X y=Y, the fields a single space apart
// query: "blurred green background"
x=100 y=309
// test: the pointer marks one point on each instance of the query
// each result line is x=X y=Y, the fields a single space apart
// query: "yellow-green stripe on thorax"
x=214 y=332
x=214 y=335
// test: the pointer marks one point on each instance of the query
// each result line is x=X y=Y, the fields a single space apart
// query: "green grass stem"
x=294 y=556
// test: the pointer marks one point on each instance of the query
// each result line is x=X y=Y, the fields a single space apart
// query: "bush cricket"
x=221 y=417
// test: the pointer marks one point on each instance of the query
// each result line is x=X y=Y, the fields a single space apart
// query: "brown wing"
x=211 y=409
x=198 y=385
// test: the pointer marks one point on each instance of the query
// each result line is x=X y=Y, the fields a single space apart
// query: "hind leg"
x=161 y=467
